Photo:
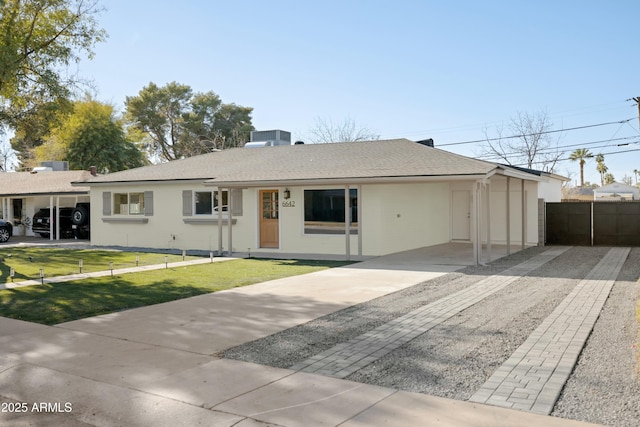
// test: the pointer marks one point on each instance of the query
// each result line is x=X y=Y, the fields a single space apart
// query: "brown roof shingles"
x=372 y=159
x=42 y=183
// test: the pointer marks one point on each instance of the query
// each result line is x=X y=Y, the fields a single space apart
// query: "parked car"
x=41 y=223
x=81 y=221
x=6 y=231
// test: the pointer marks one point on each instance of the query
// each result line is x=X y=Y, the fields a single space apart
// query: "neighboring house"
x=293 y=200
x=579 y=194
x=23 y=193
x=616 y=191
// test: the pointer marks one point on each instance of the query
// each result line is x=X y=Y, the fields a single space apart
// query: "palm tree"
x=581 y=154
x=601 y=168
x=636 y=172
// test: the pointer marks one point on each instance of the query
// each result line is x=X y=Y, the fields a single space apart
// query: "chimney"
x=93 y=170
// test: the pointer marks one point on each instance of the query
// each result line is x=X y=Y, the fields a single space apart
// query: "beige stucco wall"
x=395 y=217
x=498 y=213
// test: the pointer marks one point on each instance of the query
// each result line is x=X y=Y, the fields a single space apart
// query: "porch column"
x=229 y=219
x=476 y=224
x=347 y=221
x=524 y=217
x=219 y=222
x=359 y=207
x=50 y=218
x=488 y=198
x=508 y=216
x=57 y=217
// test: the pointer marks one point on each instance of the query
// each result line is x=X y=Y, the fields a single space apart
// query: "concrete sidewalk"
x=157 y=365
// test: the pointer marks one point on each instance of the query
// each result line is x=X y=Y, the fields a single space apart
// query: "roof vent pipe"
x=427 y=142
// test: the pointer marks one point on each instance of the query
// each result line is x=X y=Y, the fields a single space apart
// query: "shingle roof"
x=350 y=160
x=42 y=183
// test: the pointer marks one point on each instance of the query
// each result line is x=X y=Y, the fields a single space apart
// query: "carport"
x=22 y=194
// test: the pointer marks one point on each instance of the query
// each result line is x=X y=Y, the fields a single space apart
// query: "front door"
x=269 y=231
x=461 y=215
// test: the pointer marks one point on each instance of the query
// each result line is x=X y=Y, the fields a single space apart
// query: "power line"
x=537 y=133
x=562 y=160
x=559 y=148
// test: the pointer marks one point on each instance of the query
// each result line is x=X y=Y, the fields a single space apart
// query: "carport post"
x=488 y=188
x=219 y=221
x=508 y=216
x=347 y=221
x=229 y=219
x=50 y=217
x=476 y=223
x=524 y=217
x=359 y=207
x=57 y=217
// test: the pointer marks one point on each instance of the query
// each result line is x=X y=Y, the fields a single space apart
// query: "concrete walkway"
x=157 y=365
x=117 y=271
x=533 y=377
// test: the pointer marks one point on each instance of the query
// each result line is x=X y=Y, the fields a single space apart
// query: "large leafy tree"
x=32 y=129
x=180 y=123
x=580 y=155
x=91 y=136
x=38 y=40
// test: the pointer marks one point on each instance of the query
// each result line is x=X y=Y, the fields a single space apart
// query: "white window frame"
x=118 y=208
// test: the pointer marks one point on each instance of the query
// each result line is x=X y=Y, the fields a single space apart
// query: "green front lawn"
x=27 y=262
x=62 y=302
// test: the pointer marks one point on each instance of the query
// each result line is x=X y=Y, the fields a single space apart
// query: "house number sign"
x=288 y=204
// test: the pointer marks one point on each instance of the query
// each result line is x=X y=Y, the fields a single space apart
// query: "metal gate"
x=568 y=223
x=592 y=223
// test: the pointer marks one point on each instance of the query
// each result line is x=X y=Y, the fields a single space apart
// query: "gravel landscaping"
x=455 y=358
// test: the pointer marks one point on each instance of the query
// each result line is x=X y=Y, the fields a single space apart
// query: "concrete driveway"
x=158 y=366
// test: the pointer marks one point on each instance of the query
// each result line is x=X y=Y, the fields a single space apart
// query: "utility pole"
x=637 y=99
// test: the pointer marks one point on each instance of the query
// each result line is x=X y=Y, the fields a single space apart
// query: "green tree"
x=580 y=155
x=609 y=179
x=601 y=167
x=33 y=127
x=635 y=173
x=91 y=136
x=38 y=40
x=180 y=123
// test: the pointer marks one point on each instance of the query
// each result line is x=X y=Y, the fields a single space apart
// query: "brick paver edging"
x=346 y=358
x=533 y=377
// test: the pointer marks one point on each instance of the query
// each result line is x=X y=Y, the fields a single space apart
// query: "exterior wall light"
x=287 y=194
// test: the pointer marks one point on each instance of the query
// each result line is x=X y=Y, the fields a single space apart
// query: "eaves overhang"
x=342 y=181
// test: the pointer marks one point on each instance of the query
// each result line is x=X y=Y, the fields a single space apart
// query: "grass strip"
x=27 y=262
x=54 y=303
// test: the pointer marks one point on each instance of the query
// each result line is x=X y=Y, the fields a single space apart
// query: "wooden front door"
x=269 y=219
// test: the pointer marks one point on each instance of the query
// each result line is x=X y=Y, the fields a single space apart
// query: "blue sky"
x=415 y=69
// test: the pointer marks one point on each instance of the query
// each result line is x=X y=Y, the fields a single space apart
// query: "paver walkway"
x=533 y=377
x=344 y=359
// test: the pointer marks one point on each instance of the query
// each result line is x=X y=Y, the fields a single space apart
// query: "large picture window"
x=206 y=202
x=324 y=211
x=128 y=203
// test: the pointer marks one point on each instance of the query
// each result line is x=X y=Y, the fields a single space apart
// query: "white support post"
x=347 y=221
x=475 y=224
x=229 y=219
x=50 y=218
x=359 y=203
x=508 y=216
x=488 y=198
x=524 y=217
x=57 y=217
x=219 y=221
